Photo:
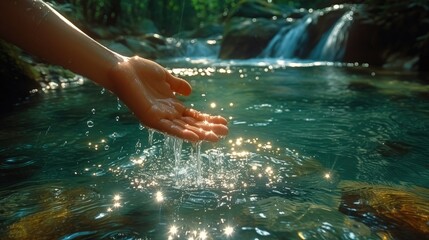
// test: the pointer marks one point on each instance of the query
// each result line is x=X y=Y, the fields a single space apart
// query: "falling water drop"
x=150 y=136
x=93 y=111
x=103 y=90
x=117 y=118
x=177 y=148
x=197 y=157
x=90 y=124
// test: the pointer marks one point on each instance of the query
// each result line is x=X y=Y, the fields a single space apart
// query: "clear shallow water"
x=77 y=165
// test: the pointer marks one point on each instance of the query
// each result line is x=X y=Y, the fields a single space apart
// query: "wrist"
x=105 y=61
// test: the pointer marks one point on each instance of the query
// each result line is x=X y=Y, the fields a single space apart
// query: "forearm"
x=40 y=30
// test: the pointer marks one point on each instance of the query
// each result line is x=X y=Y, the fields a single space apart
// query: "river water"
x=76 y=164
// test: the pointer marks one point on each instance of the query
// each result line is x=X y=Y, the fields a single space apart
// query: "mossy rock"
x=17 y=77
x=246 y=38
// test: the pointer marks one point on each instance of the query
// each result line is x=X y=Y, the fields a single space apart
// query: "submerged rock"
x=392 y=86
x=53 y=212
x=291 y=219
x=361 y=86
x=57 y=217
x=393 y=148
x=17 y=167
x=403 y=213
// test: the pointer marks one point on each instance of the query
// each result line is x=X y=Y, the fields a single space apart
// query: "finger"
x=218 y=129
x=202 y=134
x=180 y=108
x=179 y=85
x=171 y=128
x=205 y=117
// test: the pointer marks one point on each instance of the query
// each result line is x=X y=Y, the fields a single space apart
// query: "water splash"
x=197 y=159
x=177 y=151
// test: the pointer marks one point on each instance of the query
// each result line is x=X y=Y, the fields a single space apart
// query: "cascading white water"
x=288 y=40
x=291 y=39
x=331 y=47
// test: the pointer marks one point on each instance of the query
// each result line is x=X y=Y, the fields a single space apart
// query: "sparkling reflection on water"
x=297 y=130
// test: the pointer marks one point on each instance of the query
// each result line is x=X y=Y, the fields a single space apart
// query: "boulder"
x=139 y=47
x=154 y=39
x=246 y=38
x=392 y=36
x=17 y=77
x=206 y=31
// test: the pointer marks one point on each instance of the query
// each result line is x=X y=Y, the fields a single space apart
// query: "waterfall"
x=294 y=41
x=332 y=45
x=286 y=43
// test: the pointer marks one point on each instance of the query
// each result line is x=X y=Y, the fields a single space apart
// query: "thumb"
x=179 y=85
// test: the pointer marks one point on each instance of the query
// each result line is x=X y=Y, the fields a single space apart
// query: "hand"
x=149 y=90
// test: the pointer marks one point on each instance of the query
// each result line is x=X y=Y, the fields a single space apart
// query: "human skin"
x=147 y=88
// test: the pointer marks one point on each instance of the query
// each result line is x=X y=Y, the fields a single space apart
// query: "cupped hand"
x=149 y=90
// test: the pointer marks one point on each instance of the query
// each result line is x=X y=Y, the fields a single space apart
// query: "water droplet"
x=103 y=90
x=119 y=104
x=106 y=147
x=138 y=146
x=141 y=127
x=90 y=124
x=87 y=133
x=93 y=111
x=117 y=118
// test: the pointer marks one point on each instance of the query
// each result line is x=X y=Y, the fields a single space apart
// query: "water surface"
x=76 y=164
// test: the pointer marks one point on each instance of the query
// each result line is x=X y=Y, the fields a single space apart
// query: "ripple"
x=16 y=168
